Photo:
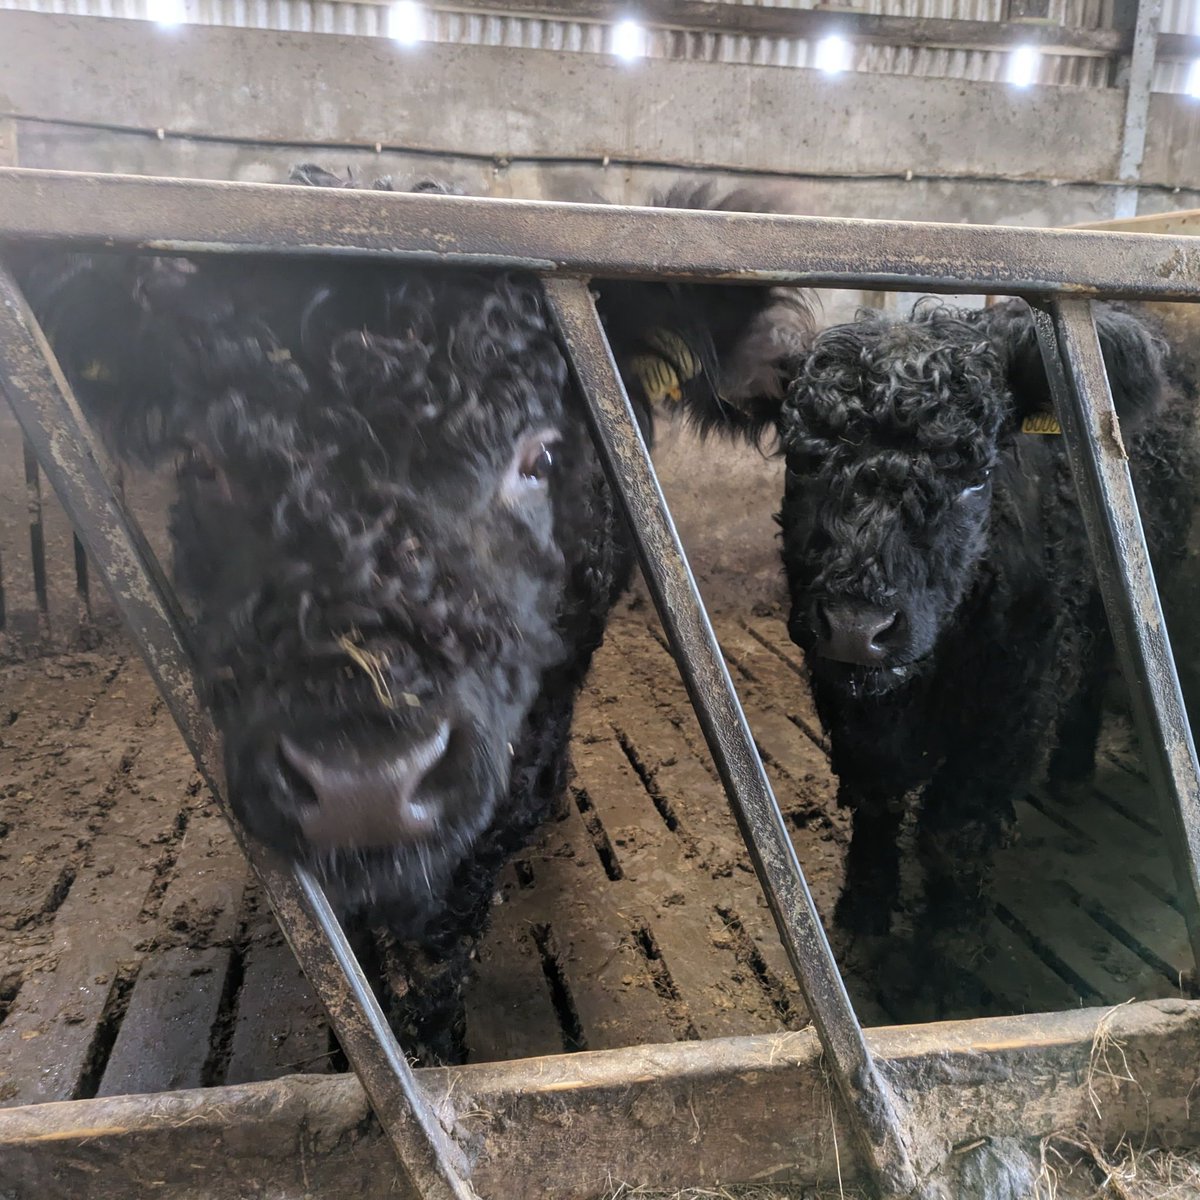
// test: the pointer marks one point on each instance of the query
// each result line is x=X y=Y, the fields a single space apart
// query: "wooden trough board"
x=570 y=1125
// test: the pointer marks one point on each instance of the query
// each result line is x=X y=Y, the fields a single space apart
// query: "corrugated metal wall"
x=1178 y=16
x=370 y=20
x=1181 y=16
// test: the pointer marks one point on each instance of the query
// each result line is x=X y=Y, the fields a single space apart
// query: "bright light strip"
x=629 y=40
x=1192 y=87
x=833 y=54
x=1023 y=66
x=166 y=12
x=406 y=22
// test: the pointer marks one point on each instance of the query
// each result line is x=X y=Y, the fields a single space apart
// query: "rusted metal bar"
x=874 y=1112
x=64 y=445
x=1099 y=463
x=193 y=216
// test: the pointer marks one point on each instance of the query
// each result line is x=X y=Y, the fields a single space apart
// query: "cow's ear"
x=721 y=355
x=110 y=320
x=1135 y=357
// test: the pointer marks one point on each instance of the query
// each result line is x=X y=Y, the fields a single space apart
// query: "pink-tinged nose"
x=364 y=797
x=858 y=633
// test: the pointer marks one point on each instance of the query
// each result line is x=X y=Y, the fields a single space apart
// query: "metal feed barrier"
x=1057 y=272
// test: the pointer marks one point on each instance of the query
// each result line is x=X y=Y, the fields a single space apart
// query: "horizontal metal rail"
x=193 y=216
x=1100 y=466
x=871 y=1105
x=60 y=437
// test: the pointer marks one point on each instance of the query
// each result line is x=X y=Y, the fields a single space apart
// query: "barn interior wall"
x=215 y=103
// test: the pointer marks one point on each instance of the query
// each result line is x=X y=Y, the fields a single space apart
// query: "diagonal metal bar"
x=1099 y=463
x=65 y=447
x=874 y=1111
x=614 y=241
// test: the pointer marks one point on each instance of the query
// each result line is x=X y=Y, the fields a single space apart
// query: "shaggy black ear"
x=1135 y=357
x=720 y=353
x=104 y=316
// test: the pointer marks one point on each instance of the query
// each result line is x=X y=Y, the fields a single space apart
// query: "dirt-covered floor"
x=136 y=955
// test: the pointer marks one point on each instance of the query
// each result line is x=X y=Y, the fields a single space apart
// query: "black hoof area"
x=1072 y=793
x=954 y=903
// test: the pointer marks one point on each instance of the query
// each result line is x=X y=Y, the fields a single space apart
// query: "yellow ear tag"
x=1041 y=423
x=658 y=379
x=663 y=374
x=670 y=345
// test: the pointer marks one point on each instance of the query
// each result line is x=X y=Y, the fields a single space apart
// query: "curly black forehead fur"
x=884 y=426
x=342 y=403
x=897 y=406
x=391 y=399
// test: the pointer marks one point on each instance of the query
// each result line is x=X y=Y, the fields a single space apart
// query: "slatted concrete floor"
x=136 y=956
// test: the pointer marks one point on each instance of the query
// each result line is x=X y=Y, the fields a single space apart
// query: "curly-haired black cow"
x=397 y=540
x=940 y=581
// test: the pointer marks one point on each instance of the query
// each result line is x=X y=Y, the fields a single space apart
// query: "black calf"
x=940 y=579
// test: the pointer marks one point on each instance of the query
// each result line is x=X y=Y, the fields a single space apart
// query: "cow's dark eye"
x=533 y=462
x=536 y=465
x=973 y=489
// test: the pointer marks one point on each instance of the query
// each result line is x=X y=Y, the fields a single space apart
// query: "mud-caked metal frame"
x=568 y=244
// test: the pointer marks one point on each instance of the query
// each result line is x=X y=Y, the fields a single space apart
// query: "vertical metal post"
x=1137 y=106
x=1099 y=463
x=64 y=446
x=872 y=1108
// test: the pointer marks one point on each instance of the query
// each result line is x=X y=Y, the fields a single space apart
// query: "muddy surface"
x=136 y=956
